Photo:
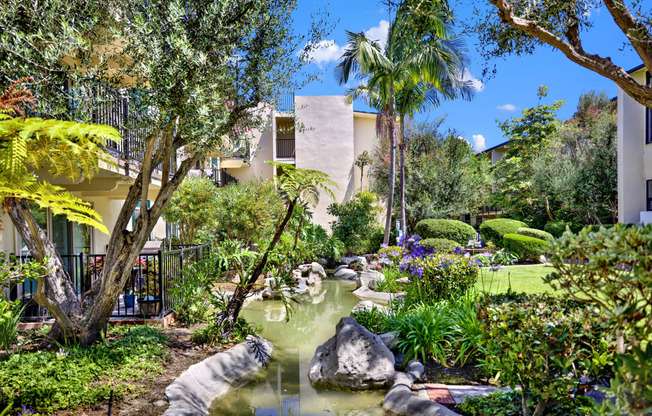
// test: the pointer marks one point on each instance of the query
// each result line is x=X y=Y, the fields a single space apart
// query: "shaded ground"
x=152 y=401
x=468 y=374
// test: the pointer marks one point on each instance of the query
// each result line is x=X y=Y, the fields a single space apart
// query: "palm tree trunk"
x=392 y=169
x=402 y=147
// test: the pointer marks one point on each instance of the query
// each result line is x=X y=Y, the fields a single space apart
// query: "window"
x=648 y=117
x=649 y=195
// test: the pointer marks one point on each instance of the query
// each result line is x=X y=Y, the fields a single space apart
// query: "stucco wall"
x=263 y=140
x=634 y=156
x=326 y=144
x=364 y=130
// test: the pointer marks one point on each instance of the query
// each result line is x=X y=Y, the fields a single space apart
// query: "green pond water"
x=282 y=388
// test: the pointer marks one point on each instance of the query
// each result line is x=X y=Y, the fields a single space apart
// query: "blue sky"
x=513 y=88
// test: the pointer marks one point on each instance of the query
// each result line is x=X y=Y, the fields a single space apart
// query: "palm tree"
x=298 y=185
x=421 y=64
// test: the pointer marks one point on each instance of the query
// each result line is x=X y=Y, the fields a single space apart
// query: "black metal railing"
x=221 y=177
x=148 y=291
x=285 y=102
x=285 y=148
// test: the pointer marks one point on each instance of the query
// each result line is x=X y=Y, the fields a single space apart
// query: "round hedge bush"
x=534 y=233
x=440 y=245
x=494 y=230
x=454 y=230
x=525 y=247
x=557 y=228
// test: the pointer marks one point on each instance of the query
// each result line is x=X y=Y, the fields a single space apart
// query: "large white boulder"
x=353 y=359
x=343 y=272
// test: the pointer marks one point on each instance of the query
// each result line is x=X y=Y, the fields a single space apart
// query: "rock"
x=316 y=274
x=365 y=293
x=343 y=272
x=342 y=267
x=160 y=403
x=389 y=338
x=349 y=260
x=403 y=280
x=193 y=391
x=322 y=261
x=367 y=305
x=543 y=259
x=353 y=359
x=367 y=276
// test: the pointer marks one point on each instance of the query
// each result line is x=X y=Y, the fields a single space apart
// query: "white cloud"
x=479 y=142
x=507 y=107
x=475 y=82
x=379 y=33
x=325 y=51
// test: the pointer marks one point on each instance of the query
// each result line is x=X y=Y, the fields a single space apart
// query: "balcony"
x=221 y=177
x=285 y=149
x=285 y=102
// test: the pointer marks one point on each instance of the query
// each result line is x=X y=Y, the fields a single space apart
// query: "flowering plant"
x=150 y=287
x=437 y=277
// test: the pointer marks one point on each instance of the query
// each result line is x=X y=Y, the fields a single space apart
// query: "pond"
x=282 y=388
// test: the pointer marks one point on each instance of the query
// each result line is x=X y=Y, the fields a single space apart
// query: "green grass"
x=522 y=278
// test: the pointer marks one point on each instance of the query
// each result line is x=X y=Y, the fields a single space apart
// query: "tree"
x=191 y=70
x=362 y=160
x=444 y=177
x=421 y=63
x=519 y=26
x=192 y=207
x=355 y=220
x=298 y=185
x=528 y=136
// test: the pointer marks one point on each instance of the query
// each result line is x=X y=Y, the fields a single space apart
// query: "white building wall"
x=326 y=144
x=634 y=156
x=364 y=130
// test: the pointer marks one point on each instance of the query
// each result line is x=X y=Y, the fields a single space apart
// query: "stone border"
x=401 y=400
x=193 y=392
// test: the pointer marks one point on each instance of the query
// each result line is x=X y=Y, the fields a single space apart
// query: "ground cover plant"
x=509 y=404
x=73 y=377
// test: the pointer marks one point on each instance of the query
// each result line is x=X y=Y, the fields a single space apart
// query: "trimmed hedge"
x=454 y=230
x=525 y=247
x=440 y=245
x=494 y=230
x=534 y=233
x=557 y=228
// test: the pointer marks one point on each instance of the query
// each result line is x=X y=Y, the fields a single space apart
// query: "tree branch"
x=635 y=31
x=596 y=63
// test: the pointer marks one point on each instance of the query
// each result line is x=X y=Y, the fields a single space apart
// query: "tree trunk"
x=541 y=407
x=526 y=411
x=225 y=320
x=361 y=177
x=392 y=169
x=55 y=290
x=402 y=147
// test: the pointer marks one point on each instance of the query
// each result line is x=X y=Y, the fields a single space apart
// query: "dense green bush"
x=503 y=403
x=74 y=377
x=375 y=240
x=192 y=208
x=438 y=277
x=543 y=344
x=494 y=230
x=212 y=333
x=454 y=230
x=440 y=245
x=355 y=221
x=375 y=320
x=612 y=268
x=525 y=247
x=534 y=233
x=557 y=228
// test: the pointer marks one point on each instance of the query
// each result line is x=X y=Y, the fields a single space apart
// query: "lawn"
x=522 y=279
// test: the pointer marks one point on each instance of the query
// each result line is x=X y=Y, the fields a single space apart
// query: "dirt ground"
x=152 y=401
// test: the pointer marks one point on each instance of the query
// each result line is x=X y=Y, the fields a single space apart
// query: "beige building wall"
x=634 y=158
x=364 y=130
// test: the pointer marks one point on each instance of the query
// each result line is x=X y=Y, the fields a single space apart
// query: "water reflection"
x=283 y=389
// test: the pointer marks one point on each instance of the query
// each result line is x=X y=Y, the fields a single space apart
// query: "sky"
x=505 y=95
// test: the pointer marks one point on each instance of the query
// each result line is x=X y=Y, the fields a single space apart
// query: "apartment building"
x=310 y=132
x=634 y=155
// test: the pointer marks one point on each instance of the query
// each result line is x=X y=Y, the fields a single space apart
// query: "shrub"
x=392 y=254
x=542 y=343
x=454 y=230
x=534 y=233
x=355 y=221
x=494 y=230
x=504 y=258
x=10 y=313
x=192 y=207
x=557 y=228
x=375 y=240
x=212 y=333
x=440 y=245
x=438 y=277
x=503 y=403
x=484 y=259
x=611 y=268
x=525 y=247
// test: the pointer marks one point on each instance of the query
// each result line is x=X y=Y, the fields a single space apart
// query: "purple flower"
x=383 y=245
x=382 y=255
x=459 y=250
x=395 y=254
x=495 y=267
